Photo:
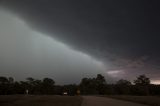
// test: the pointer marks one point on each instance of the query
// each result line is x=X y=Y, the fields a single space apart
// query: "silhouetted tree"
x=142 y=85
x=3 y=85
x=123 y=82
x=123 y=87
x=3 y=80
x=48 y=86
x=142 y=80
x=100 y=80
x=88 y=86
x=58 y=90
x=11 y=80
x=37 y=86
x=18 y=88
x=10 y=85
x=93 y=85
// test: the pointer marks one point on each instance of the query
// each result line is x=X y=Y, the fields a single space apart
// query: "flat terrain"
x=149 y=100
x=49 y=100
x=103 y=101
x=29 y=100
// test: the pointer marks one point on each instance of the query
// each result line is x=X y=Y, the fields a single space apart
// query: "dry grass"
x=149 y=100
x=29 y=100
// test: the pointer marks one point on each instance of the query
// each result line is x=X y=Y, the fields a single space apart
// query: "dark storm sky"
x=123 y=34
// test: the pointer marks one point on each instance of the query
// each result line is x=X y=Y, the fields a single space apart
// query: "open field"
x=149 y=100
x=29 y=100
x=104 y=101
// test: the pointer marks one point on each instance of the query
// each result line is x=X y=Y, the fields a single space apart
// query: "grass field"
x=30 y=100
x=149 y=100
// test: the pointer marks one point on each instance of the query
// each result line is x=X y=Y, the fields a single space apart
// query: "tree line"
x=87 y=86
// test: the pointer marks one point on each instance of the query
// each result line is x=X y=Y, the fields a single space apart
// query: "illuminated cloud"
x=157 y=82
x=116 y=73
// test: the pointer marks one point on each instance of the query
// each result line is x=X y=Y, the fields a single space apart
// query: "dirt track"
x=103 y=101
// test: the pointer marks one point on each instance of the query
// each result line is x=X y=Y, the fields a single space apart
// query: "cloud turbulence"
x=122 y=35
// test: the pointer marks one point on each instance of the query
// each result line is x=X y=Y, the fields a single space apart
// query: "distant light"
x=65 y=93
x=116 y=73
x=113 y=72
x=156 y=82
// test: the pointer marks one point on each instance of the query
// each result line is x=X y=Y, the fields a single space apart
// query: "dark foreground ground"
x=103 y=101
x=49 y=100
x=149 y=100
x=29 y=100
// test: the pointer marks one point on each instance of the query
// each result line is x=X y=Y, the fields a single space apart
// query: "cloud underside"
x=125 y=39
x=27 y=53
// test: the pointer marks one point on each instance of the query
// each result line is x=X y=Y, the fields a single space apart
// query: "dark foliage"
x=87 y=86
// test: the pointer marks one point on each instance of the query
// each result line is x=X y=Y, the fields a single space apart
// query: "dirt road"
x=103 y=101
